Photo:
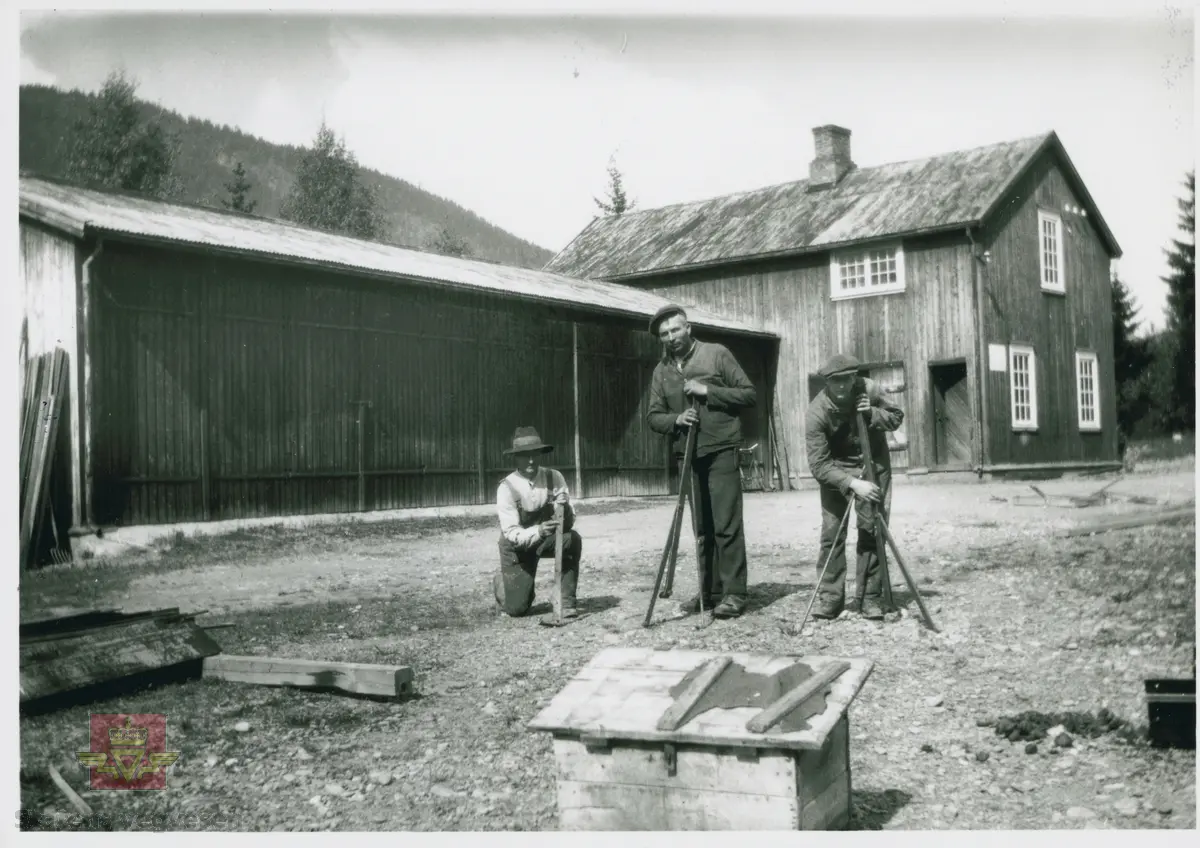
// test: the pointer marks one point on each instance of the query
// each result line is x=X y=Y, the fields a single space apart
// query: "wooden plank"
x=607 y=806
x=110 y=654
x=74 y=625
x=830 y=810
x=704 y=769
x=679 y=709
x=1127 y=522
x=73 y=799
x=817 y=770
x=766 y=719
x=357 y=678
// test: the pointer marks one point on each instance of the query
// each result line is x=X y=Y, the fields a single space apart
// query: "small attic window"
x=1050 y=252
x=866 y=272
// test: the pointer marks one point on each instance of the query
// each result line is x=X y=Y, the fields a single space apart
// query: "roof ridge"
x=786 y=183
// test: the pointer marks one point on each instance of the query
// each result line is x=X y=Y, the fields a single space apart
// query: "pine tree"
x=238 y=191
x=617 y=203
x=449 y=242
x=329 y=193
x=1181 y=312
x=1130 y=359
x=113 y=149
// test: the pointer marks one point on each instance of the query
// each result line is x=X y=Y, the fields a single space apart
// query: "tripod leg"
x=912 y=586
x=796 y=630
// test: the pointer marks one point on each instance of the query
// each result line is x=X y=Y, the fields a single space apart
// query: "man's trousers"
x=513 y=583
x=718 y=484
x=833 y=508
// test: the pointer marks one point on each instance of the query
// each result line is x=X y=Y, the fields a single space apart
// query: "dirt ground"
x=1029 y=621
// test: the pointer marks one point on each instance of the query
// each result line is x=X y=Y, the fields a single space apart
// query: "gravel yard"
x=1030 y=622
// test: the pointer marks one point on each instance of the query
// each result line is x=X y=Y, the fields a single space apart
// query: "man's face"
x=527 y=464
x=675 y=332
x=841 y=387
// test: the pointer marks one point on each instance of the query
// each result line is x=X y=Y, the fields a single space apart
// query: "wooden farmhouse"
x=227 y=366
x=975 y=286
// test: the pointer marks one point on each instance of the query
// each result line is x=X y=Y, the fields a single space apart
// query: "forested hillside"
x=208 y=153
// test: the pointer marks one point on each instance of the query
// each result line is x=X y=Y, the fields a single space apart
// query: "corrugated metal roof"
x=944 y=192
x=78 y=210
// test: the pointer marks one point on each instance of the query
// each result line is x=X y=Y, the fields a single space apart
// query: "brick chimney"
x=832 y=144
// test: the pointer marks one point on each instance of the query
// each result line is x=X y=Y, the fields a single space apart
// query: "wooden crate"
x=618 y=771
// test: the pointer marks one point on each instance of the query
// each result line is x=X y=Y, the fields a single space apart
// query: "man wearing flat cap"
x=525 y=501
x=835 y=459
x=709 y=373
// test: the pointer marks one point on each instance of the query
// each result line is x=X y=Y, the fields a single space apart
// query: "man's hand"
x=547 y=528
x=866 y=490
x=864 y=404
x=687 y=418
x=695 y=388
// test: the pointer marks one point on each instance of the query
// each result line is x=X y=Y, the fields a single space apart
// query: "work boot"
x=731 y=606
x=828 y=607
x=694 y=604
x=871 y=609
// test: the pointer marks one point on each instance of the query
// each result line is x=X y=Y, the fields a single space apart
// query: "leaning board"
x=617 y=771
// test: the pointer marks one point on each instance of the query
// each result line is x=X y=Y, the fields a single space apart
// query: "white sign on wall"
x=998 y=357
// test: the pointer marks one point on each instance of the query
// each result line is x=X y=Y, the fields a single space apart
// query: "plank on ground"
x=1129 y=521
x=607 y=806
x=709 y=769
x=62 y=665
x=389 y=681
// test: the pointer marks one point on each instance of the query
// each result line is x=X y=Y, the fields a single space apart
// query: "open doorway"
x=951 y=414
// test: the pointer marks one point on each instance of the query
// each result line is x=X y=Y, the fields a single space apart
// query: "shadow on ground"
x=762 y=595
x=872 y=810
x=586 y=605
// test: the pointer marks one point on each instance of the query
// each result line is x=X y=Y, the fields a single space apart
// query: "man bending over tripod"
x=835 y=458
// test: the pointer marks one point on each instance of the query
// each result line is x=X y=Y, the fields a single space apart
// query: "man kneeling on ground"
x=525 y=503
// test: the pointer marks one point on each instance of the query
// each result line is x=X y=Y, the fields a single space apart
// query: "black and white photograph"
x=534 y=418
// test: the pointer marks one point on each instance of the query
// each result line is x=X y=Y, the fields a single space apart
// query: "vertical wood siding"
x=280 y=391
x=930 y=320
x=49 y=300
x=1016 y=310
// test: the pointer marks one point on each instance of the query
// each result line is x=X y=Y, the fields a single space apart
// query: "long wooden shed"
x=226 y=365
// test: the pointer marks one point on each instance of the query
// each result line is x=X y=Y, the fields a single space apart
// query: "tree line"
x=1156 y=372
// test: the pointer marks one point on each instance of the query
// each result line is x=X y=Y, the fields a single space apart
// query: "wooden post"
x=480 y=452
x=575 y=386
x=205 y=480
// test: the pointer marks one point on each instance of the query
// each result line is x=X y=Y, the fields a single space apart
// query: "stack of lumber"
x=44 y=391
x=95 y=654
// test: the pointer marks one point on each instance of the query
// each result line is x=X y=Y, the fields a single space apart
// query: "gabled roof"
x=941 y=193
x=80 y=212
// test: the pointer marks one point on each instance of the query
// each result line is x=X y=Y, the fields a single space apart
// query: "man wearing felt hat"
x=708 y=373
x=835 y=459
x=525 y=502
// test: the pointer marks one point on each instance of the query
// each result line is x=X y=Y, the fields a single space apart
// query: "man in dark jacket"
x=835 y=459
x=709 y=373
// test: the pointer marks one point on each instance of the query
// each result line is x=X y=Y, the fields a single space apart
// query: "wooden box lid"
x=623 y=693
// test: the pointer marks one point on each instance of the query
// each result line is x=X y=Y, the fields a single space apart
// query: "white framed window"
x=866 y=272
x=1087 y=389
x=1050 y=252
x=1022 y=370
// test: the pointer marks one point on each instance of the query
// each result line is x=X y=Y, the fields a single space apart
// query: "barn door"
x=951 y=415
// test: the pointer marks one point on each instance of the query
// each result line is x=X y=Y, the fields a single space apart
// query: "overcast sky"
x=516 y=118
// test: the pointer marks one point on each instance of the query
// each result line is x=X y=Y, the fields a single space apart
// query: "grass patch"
x=1164 y=447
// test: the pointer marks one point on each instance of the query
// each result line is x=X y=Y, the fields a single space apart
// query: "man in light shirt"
x=525 y=502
